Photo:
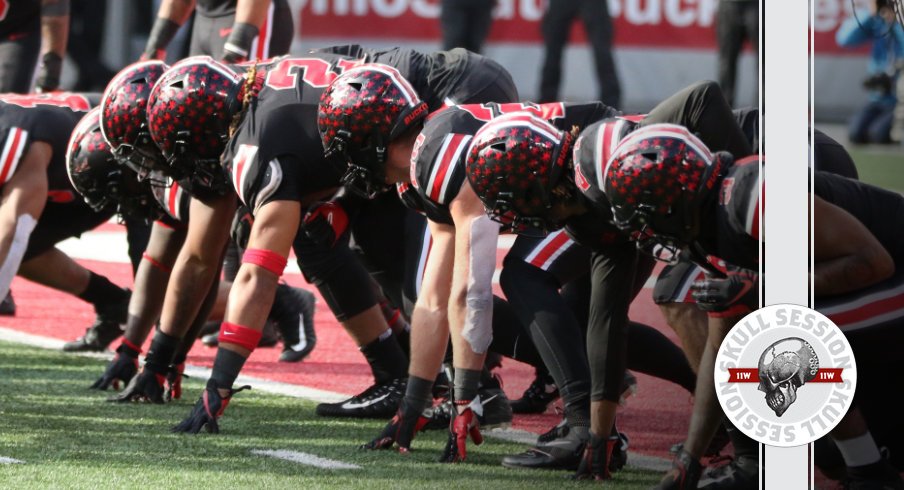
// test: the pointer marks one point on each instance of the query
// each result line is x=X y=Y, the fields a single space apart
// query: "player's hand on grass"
x=463 y=425
x=400 y=430
x=121 y=369
x=146 y=387
x=174 y=382
x=207 y=410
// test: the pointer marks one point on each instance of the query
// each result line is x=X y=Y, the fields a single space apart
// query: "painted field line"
x=5 y=460
x=306 y=459
x=306 y=393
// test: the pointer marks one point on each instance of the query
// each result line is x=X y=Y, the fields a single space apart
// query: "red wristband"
x=239 y=335
x=155 y=263
x=130 y=345
x=266 y=259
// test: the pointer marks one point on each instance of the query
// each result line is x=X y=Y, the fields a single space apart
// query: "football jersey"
x=19 y=17
x=737 y=218
x=49 y=118
x=175 y=202
x=440 y=150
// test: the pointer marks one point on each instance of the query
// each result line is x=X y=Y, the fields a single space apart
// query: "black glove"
x=685 y=473
x=174 y=382
x=207 y=410
x=463 y=425
x=122 y=368
x=594 y=463
x=238 y=46
x=325 y=223
x=400 y=430
x=162 y=33
x=241 y=227
x=49 y=72
x=737 y=293
x=146 y=387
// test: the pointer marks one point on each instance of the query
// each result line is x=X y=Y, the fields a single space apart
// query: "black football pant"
x=18 y=61
x=465 y=23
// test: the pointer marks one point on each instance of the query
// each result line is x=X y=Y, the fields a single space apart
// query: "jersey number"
x=314 y=72
x=486 y=112
x=74 y=102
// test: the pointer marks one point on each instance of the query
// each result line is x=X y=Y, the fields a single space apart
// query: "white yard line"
x=306 y=459
x=305 y=393
x=5 y=460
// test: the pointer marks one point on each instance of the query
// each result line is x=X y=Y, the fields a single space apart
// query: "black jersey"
x=281 y=123
x=877 y=209
x=216 y=8
x=19 y=17
x=49 y=118
x=440 y=150
x=175 y=202
x=737 y=217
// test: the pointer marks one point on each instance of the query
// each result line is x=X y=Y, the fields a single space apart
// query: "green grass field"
x=884 y=168
x=69 y=436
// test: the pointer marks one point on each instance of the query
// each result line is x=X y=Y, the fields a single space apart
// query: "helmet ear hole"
x=498 y=146
x=356 y=85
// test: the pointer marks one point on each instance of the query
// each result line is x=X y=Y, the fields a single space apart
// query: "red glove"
x=325 y=222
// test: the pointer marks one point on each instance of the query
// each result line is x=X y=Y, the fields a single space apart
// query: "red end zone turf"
x=654 y=419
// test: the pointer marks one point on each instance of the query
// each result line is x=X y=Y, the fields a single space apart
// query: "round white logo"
x=785 y=375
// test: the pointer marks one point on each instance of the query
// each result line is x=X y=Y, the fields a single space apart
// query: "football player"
x=229 y=30
x=41 y=208
x=25 y=25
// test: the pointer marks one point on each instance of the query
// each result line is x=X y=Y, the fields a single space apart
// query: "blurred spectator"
x=85 y=47
x=32 y=31
x=737 y=20
x=466 y=23
x=897 y=128
x=598 y=25
x=872 y=124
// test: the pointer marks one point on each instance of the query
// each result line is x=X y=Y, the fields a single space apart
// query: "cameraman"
x=872 y=124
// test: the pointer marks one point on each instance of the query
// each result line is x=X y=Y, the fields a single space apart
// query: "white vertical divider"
x=785 y=48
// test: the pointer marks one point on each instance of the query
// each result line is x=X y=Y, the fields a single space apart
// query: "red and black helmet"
x=513 y=164
x=657 y=180
x=102 y=181
x=189 y=114
x=124 y=120
x=360 y=113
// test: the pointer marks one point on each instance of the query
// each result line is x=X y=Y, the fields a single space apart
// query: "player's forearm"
x=188 y=286
x=849 y=273
x=176 y=11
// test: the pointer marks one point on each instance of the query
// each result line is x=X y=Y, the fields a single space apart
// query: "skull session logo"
x=785 y=375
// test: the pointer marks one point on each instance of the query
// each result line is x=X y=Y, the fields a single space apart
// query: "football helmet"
x=101 y=180
x=124 y=122
x=189 y=113
x=657 y=180
x=360 y=113
x=513 y=164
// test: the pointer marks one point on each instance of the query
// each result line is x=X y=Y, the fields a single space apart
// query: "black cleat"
x=380 y=401
x=561 y=449
x=496 y=413
x=537 y=397
x=8 y=305
x=107 y=327
x=295 y=322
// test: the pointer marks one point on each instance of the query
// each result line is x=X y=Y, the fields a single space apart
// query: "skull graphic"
x=784 y=367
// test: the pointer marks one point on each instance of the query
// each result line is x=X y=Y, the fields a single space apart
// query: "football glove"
x=400 y=430
x=207 y=410
x=174 y=381
x=325 y=223
x=463 y=425
x=594 y=463
x=737 y=293
x=685 y=473
x=121 y=369
x=146 y=387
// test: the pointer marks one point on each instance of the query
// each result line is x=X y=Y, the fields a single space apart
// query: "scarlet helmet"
x=360 y=113
x=102 y=181
x=658 y=179
x=189 y=114
x=513 y=164
x=124 y=120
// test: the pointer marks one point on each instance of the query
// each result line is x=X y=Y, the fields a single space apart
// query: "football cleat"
x=562 y=451
x=379 y=401
x=107 y=327
x=8 y=305
x=537 y=397
x=496 y=412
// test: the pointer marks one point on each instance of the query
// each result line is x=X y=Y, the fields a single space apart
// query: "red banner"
x=752 y=375
x=663 y=24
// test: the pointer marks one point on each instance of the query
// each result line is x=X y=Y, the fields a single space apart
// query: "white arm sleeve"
x=478 y=327
x=24 y=226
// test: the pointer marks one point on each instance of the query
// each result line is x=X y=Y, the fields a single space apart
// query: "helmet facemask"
x=366 y=180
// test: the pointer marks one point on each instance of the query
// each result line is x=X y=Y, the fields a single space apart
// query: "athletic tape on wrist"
x=239 y=335
x=266 y=259
x=155 y=263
